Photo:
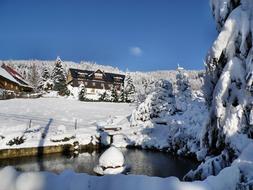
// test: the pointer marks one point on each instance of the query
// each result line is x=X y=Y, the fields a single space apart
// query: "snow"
x=112 y=157
x=6 y=75
x=111 y=162
x=60 y=115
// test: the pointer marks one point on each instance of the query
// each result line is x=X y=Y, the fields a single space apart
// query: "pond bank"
x=142 y=162
x=40 y=151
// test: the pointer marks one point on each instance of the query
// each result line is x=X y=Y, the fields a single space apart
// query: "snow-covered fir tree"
x=59 y=77
x=114 y=94
x=183 y=91
x=122 y=97
x=82 y=93
x=229 y=68
x=129 y=89
x=157 y=104
x=104 y=97
x=45 y=82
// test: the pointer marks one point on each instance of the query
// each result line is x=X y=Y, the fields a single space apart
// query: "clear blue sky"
x=135 y=34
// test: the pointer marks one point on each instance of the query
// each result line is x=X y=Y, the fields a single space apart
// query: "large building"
x=95 y=81
x=12 y=80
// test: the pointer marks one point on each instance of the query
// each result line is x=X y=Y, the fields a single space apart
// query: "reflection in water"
x=142 y=162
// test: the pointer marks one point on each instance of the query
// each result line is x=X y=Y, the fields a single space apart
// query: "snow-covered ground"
x=51 y=121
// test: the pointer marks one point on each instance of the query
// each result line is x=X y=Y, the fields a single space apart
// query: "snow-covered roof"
x=7 y=75
x=18 y=80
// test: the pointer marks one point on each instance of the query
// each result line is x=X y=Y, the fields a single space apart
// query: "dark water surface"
x=142 y=162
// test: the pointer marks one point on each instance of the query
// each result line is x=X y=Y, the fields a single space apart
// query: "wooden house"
x=95 y=81
x=12 y=80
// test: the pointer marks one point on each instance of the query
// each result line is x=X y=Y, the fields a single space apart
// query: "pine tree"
x=157 y=104
x=59 y=77
x=114 y=94
x=45 y=74
x=129 y=89
x=104 y=97
x=183 y=93
x=45 y=82
x=122 y=97
x=228 y=85
x=82 y=93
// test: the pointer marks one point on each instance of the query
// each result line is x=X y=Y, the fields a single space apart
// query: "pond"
x=142 y=162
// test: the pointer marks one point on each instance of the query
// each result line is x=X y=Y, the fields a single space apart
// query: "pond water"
x=142 y=162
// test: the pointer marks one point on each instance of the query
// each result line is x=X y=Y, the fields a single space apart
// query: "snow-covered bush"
x=157 y=104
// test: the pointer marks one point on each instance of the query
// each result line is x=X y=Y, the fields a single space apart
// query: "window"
x=81 y=75
x=98 y=75
x=5 y=83
x=117 y=78
x=103 y=85
x=93 y=84
x=85 y=83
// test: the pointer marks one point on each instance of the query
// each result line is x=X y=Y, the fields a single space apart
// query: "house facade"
x=95 y=81
x=12 y=80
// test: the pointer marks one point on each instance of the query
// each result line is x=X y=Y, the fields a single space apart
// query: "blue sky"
x=139 y=35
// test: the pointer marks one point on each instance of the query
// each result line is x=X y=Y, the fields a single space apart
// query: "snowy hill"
x=32 y=71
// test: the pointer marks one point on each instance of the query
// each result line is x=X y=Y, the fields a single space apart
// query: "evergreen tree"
x=45 y=82
x=104 y=97
x=59 y=77
x=129 y=89
x=184 y=93
x=122 y=97
x=157 y=104
x=45 y=74
x=82 y=93
x=114 y=94
x=228 y=85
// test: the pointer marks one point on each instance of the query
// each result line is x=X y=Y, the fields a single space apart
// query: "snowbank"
x=54 y=121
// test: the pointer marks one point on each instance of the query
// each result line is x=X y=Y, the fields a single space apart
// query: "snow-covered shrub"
x=16 y=141
x=157 y=104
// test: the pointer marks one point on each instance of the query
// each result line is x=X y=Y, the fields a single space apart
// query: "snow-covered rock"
x=112 y=157
x=112 y=161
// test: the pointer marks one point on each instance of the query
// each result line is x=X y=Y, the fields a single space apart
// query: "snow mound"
x=111 y=162
x=112 y=157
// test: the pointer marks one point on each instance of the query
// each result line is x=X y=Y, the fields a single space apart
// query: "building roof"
x=13 y=76
x=86 y=74
x=6 y=75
